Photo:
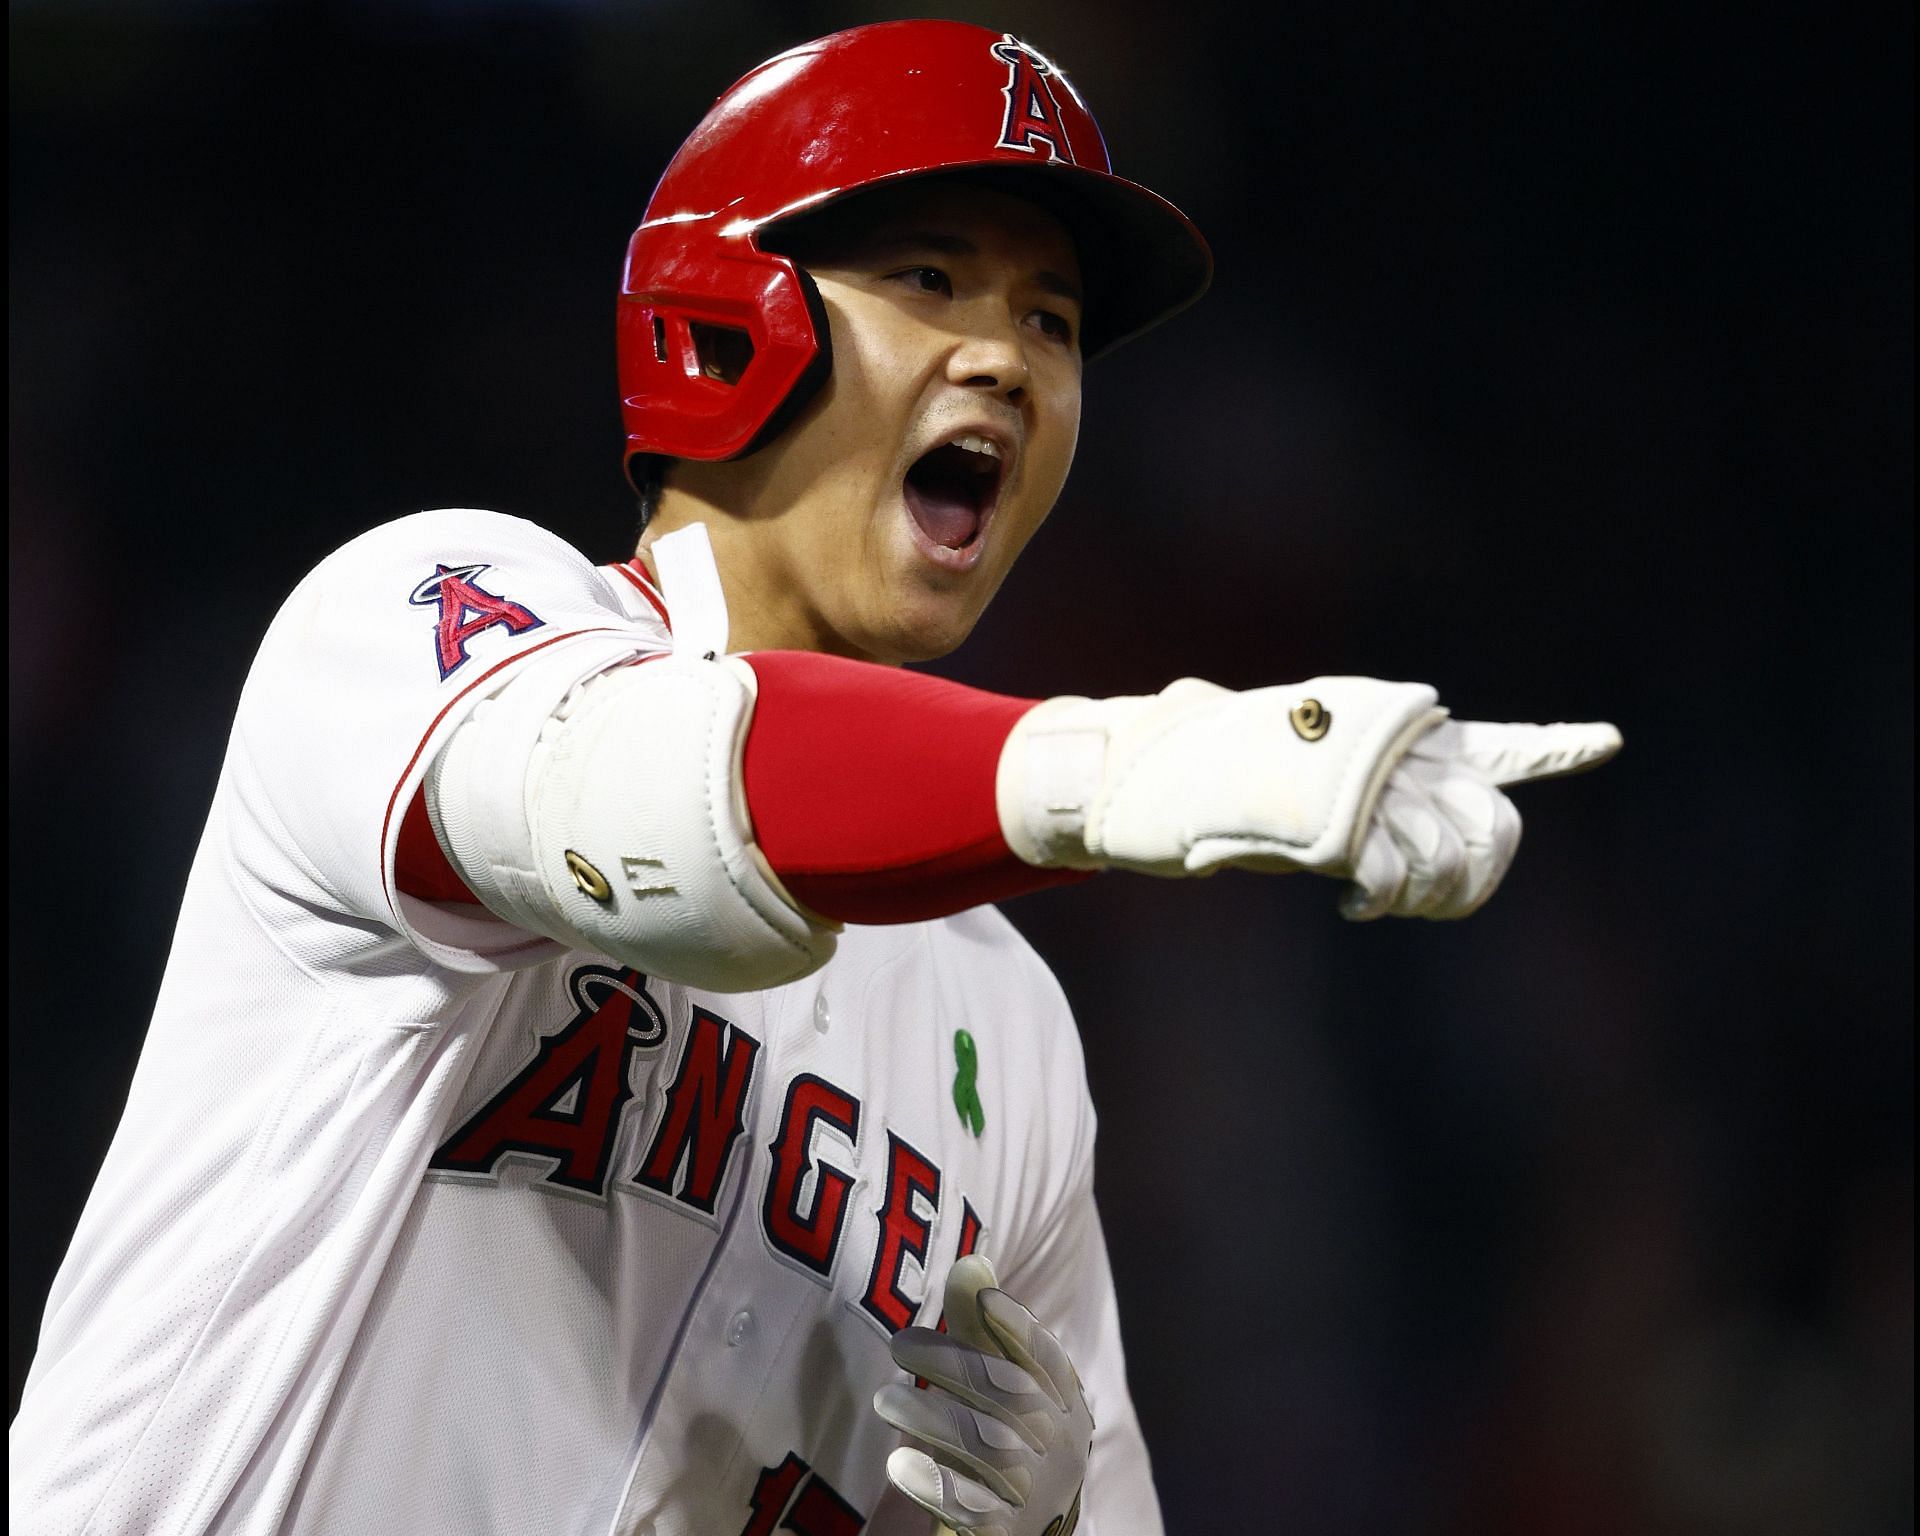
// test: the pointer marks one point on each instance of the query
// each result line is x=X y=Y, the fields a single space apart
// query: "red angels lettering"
x=1032 y=117
x=564 y=1106
x=809 y=1238
x=705 y=1114
x=904 y=1232
x=819 y=1511
x=770 y=1494
x=465 y=611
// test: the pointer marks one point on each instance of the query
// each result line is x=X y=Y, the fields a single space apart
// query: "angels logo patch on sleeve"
x=466 y=609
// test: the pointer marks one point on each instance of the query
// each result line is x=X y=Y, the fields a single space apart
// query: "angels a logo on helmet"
x=1032 y=116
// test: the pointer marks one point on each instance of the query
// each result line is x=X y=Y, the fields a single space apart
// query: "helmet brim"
x=1142 y=259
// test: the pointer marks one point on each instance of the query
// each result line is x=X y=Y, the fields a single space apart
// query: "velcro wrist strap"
x=1050 y=774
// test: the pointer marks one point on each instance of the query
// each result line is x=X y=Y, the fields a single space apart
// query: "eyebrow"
x=957 y=245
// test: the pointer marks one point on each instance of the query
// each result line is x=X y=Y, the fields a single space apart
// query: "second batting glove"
x=1003 y=1427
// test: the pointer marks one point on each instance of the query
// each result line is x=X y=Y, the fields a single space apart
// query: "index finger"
x=1516 y=753
x=1028 y=1344
x=965 y=1281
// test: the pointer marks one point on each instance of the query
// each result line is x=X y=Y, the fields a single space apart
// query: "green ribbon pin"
x=966 y=1097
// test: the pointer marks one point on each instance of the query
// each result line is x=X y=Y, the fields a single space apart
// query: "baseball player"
x=589 y=1081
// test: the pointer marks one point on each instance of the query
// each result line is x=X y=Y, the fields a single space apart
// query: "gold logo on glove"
x=588 y=878
x=1311 y=720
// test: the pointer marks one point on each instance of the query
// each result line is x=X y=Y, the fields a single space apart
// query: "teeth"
x=974 y=443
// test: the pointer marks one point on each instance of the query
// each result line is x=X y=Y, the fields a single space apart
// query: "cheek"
x=839 y=451
x=1054 y=444
x=872 y=376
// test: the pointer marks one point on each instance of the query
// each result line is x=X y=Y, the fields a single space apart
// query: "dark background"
x=1560 y=356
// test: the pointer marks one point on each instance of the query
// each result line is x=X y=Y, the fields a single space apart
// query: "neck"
x=766 y=608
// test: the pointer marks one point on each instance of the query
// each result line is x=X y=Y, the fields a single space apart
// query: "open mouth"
x=951 y=490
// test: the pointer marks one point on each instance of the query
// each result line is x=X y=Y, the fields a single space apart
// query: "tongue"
x=945 y=514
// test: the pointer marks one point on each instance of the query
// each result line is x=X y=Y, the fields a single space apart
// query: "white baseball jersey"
x=417 y=1222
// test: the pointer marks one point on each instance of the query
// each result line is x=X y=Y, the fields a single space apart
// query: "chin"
x=923 y=632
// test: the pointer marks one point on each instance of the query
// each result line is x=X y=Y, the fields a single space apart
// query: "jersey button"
x=738 y=1327
x=821 y=1019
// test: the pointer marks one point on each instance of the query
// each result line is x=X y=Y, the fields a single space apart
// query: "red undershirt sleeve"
x=420 y=868
x=871 y=791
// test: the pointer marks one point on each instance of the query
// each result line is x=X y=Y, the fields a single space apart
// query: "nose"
x=990 y=355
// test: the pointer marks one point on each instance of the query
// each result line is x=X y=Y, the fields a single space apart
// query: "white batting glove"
x=1350 y=777
x=1442 y=834
x=1003 y=1420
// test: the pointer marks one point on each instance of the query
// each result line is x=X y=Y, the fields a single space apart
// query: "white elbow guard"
x=617 y=824
x=1197 y=776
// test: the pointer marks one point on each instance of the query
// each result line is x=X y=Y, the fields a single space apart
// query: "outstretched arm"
x=788 y=792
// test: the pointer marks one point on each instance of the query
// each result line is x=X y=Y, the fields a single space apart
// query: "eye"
x=926 y=280
x=1059 y=327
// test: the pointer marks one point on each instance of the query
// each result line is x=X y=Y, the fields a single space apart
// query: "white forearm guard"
x=617 y=824
x=1198 y=776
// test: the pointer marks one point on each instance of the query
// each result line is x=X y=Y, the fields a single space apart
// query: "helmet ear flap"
x=812 y=374
x=714 y=362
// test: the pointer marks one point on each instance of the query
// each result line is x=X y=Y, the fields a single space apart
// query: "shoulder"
x=464 y=522
x=456 y=534
x=476 y=574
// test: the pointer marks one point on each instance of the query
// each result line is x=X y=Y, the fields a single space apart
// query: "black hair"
x=647 y=472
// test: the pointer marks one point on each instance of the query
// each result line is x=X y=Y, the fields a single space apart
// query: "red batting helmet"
x=871 y=105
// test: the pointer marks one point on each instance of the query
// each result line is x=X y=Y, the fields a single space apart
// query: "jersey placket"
x=686 y=1472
